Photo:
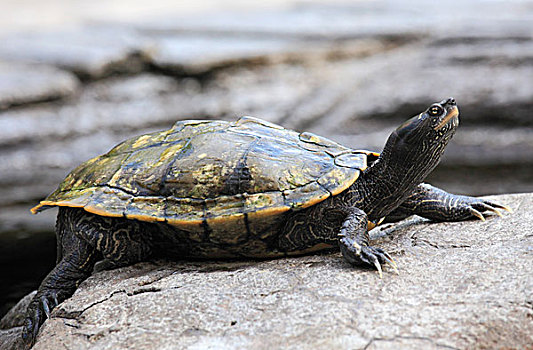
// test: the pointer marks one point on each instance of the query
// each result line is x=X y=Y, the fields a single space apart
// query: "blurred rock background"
x=77 y=77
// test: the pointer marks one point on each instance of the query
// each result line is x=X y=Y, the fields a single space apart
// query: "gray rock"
x=461 y=285
x=90 y=52
x=10 y=338
x=390 y=85
x=23 y=84
x=337 y=21
x=11 y=324
x=15 y=316
x=196 y=54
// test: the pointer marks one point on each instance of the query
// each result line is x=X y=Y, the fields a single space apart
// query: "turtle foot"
x=38 y=311
x=475 y=207
x=359 y=255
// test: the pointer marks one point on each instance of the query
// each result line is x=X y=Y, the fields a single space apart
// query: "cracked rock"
x=461 y=285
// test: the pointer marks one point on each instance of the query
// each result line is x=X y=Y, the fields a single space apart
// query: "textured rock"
x=89 y=52
x=461 y=285
x=10 y=338
x=424 y=72
x=194 y=55
x=15 y=316
x=191 y=55
x=334 y=21
x=11 y=324
x=22 y=84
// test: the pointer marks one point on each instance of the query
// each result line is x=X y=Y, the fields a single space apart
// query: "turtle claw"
x=499 y=213
x=506 y=208
x=389 y=259
x=38 y=311
x=366 y=255
x=477 y=214
x=479 y=205
x=392 y=263
x=378 y=267
x=46 y=308
x=495 y=206
x=31 y=328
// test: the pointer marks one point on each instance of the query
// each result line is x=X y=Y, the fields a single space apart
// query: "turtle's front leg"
x=354 y=242
x=438 y=205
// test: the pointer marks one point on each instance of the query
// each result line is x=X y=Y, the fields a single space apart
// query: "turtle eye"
x=435 y=110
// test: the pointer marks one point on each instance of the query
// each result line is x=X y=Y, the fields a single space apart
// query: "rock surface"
x=90 y=52
x=461 y=285
x=25 y=84
x=348 y=71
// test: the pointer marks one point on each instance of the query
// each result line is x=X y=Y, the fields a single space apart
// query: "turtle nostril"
x=451 y=101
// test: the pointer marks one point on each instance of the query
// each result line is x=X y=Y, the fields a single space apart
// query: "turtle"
x=207 y=189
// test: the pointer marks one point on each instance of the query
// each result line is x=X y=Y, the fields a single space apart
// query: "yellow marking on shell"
x=268 y=212
x=295 y=177
x=346 y=184
x=314 y=139
x=35 y=209
x=147 y=218
x=168 y=153
x=101 y=212
x=142 y=141
x=351 y=159
x=78 y=183
x=115 y=179
x=314 y=201
x=223 y=219
x=183 y=222
x=206 y=172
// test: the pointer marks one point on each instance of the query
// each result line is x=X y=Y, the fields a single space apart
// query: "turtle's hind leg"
x=83 y=239
x=76 y=259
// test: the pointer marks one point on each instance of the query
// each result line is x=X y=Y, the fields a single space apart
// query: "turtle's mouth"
x=452 y=112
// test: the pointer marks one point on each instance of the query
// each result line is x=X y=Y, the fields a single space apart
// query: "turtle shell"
x=210 y=171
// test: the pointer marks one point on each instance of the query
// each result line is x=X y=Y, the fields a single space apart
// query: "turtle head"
x=433 y=126
x=412 y=151
x=417 y=145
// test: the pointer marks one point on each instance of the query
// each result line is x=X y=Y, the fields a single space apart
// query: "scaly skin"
x=438 y=205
